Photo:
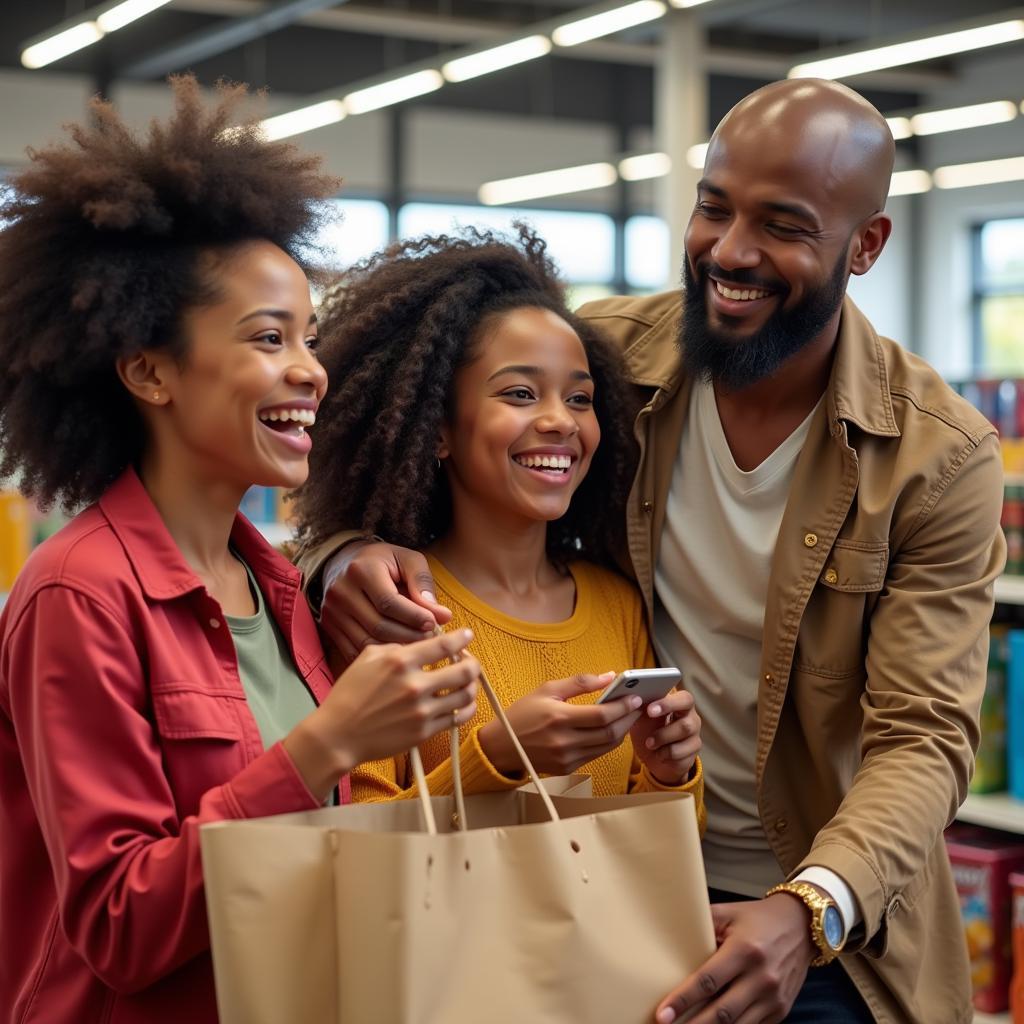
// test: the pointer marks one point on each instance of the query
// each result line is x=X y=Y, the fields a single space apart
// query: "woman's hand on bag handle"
x=383 y=704
x=560 y=737
x=667 y=738
x=376 y=593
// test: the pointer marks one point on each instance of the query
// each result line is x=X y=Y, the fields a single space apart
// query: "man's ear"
x=142 y=373
x=869 y=241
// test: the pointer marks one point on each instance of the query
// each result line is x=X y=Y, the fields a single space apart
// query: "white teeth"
x=741 y=294
x=304 y=417
x=561 y=463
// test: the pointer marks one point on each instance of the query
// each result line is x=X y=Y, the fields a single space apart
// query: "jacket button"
x=781 y=825
x=810 y=540
x=215 y=623
x=831 y=576
x=647 y=506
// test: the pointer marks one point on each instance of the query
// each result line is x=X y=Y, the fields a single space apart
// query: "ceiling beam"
x=263 y=19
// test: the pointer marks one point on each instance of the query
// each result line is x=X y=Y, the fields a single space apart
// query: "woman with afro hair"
x=159 y=668
x=476 y=419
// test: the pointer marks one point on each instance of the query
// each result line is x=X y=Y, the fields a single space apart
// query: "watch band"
x=817 y=904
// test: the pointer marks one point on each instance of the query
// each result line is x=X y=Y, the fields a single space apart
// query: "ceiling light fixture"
x=645 y=165
x=408 y=87
x=696 y=155
x=985 y=172
x=496 y=58
x=846 y=65
x=932 y=122
x=91 y=28
x=900 y=127
x=305 y=119
x=125 y=13
x=688 y=3
x=575 y=32
x=547 y=183
x=909 y=183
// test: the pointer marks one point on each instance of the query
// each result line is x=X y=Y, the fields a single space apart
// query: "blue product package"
x=259 y=504
x=1015 y=713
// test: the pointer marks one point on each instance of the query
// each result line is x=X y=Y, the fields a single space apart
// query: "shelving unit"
x=994 y=810
x=991 y=1018
x=1010 y=590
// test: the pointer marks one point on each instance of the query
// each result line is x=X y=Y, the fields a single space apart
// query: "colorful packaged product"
x=990 y=767
x=1015 y=714
x=982 y=863
x=1017 y=985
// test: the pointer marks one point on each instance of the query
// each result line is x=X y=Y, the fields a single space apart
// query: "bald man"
x=814 y=525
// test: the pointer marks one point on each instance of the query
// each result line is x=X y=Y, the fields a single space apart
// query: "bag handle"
x=419 y=775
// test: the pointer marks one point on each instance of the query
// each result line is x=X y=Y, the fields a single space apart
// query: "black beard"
x=736 y=363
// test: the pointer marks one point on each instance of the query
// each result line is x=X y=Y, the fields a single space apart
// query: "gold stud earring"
x=156 y=396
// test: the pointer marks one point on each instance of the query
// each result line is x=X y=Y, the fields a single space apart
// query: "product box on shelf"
x=15 y=536
x=983 y=861
x=1015 y=714
x=259 y=504
x=990 y=767
x=1017 y=984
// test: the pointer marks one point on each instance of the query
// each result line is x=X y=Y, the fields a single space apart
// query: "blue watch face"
x=832 y=923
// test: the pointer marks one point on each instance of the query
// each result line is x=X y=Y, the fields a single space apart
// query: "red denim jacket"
x=123 y=728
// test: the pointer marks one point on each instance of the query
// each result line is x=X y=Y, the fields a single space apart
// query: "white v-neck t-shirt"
x=711 y=583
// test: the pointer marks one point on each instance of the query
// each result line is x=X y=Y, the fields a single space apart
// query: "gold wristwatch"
x=828 y=932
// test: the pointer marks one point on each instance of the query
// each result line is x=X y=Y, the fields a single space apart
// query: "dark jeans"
x=828 y=995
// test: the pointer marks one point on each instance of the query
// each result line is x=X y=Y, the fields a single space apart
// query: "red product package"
x=982 y=862
x=1017 y=986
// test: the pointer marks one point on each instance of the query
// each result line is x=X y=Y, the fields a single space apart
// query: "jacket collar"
x=157 y=560
x=858 y=390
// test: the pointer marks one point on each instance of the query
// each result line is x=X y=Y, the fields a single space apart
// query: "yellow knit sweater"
x=606 y=632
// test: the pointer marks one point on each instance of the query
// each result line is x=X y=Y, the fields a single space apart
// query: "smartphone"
x=647 y=683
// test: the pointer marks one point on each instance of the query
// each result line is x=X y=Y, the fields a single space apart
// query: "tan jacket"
x=875 y=636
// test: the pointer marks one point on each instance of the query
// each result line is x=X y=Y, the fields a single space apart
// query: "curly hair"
x=394 y=331
x=101 y=257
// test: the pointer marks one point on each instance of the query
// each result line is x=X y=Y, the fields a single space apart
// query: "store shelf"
x=995 y=810
x=1010 y=589
x=991 y=1018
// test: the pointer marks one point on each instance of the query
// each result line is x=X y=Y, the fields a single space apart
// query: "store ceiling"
x=749 y=42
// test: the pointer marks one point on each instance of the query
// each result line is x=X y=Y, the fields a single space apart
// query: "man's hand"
x=667 y=738
x=754 y=977
x=375 y=593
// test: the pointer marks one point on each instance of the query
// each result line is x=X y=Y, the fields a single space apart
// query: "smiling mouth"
x=740 y=294
x=557 y=465
x=288 y=421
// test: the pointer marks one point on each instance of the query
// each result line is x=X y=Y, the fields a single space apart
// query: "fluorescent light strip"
x=547 y=183
x=604 y=24
x=933 y=122
x=304 y=120
x=688 y=3
x=985 y=172
x=69 y=41
x=909 y=183
x=408 y=87
x=498 y=57
x=125 y=13
x=695 y=155
x=847 y=65
x=646 y=165
x=900 y=127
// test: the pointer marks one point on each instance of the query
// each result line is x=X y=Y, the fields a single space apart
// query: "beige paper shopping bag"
x=546 y=910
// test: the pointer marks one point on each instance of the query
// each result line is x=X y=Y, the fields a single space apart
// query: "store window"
x=648 y=257
x=581 y=244
x=360 y=229
x=998 y=300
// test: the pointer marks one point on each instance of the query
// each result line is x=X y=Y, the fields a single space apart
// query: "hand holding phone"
x=648 y=684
